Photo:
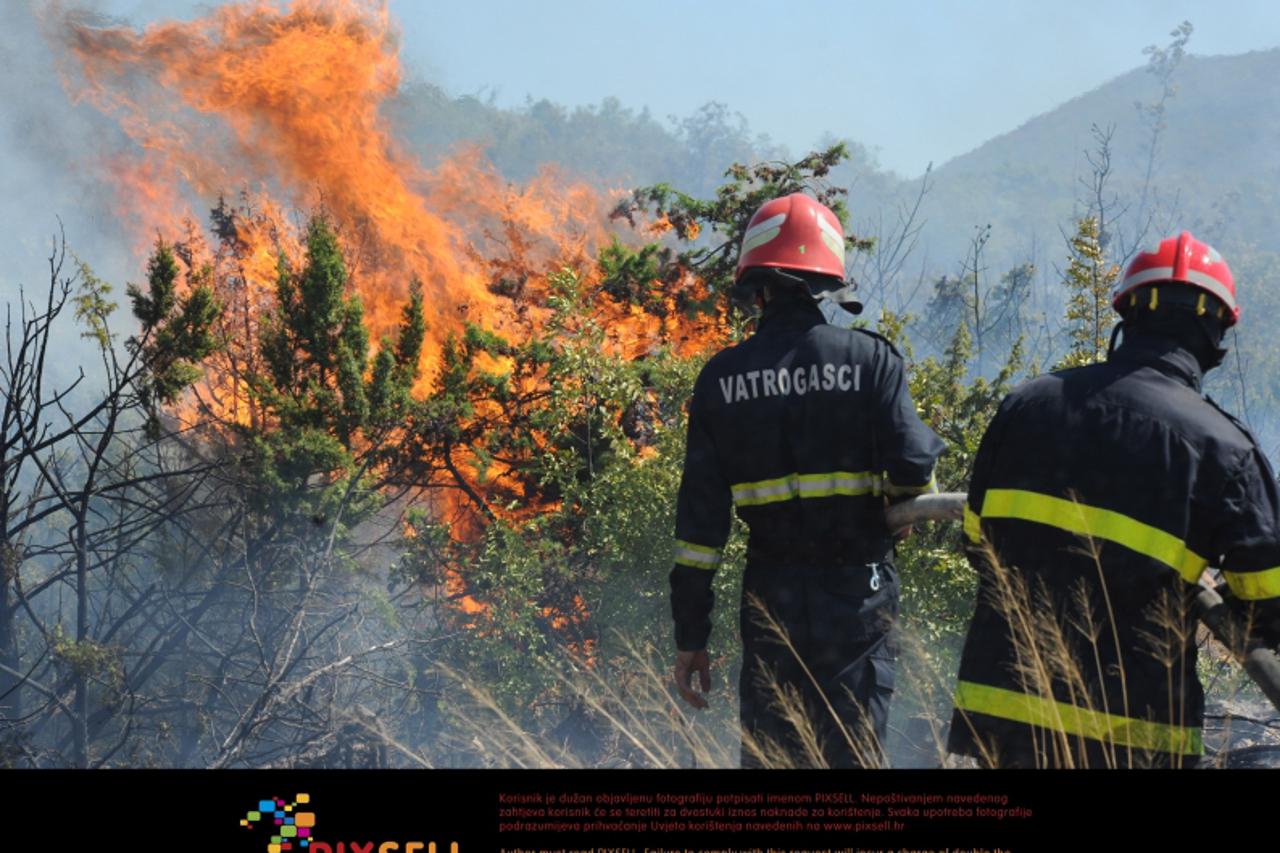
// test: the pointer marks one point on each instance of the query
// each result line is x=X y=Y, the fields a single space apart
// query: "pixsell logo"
x=288 y=828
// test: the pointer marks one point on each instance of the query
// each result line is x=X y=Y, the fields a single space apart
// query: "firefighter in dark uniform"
x=804 y=429
x=1099 y=496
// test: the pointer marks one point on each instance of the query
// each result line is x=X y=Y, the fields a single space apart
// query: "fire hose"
x=1260 y=662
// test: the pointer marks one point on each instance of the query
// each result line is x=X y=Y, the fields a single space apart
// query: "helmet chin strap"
x=1213 y=353
x=1115 y=333
x=842 y=296
x=1216 y=352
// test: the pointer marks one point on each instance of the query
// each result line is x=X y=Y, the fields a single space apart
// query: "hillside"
x=1216 y=172
x=1216 y=169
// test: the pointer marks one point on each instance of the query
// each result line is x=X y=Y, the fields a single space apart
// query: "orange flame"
x=283 y=105
x=288 y=102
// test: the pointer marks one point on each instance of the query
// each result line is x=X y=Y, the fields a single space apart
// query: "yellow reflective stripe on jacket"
x=972 y=525
x=1096 y=522
x=696 y=556
x=1047 y=713
x=805 y=486
x=1253 y=586
x=928 y=488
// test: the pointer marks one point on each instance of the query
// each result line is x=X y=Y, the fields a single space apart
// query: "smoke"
x=52 y=152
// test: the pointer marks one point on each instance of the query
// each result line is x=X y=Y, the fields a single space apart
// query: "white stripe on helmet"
x=829 y=228
x=1214 y=286
x=761 y=233
x=832 y=238
x=771 y=222
x=1153 y=274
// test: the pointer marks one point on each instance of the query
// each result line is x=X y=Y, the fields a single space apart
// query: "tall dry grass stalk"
x=639 y=715
x=638 y=720
x=634 y=716
x=805 y=748
x=1058 y=642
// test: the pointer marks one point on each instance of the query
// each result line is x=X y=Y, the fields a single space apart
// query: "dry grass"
x=635 y=717
x=641 y=721
x=786 y=700
x=1058 y=655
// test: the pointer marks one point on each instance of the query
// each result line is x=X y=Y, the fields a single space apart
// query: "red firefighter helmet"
x=793 y=232
x=1184 y=260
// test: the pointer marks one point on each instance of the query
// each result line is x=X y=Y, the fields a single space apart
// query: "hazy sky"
x=919 y=81
x=916 y=81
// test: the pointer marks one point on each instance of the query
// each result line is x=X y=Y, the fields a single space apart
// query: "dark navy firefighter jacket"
x=1103 y=492
x=803 y=429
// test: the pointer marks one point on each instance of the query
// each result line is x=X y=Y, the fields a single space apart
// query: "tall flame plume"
x=285 y=105
x=281 y=106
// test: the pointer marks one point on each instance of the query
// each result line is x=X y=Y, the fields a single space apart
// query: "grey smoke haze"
x=52 y=152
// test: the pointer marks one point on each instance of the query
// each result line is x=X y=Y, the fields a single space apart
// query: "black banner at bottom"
x=689 y=811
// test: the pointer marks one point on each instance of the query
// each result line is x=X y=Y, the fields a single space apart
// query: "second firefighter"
x=805 y=429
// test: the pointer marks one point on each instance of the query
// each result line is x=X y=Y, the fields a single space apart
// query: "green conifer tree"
x=1090 y=278
x=329 y=405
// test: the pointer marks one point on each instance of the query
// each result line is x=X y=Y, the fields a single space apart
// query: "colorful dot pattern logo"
x=291 y=827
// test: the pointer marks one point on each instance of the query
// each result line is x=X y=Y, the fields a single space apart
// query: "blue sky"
x=917 y=82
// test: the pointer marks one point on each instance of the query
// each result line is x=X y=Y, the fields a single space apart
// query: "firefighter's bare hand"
x=688 y=663
x=902 y=534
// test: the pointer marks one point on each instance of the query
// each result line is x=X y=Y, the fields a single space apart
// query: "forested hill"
x=1216 y=168
x=1216 y=171
x=1217 y=165
x=611 y=143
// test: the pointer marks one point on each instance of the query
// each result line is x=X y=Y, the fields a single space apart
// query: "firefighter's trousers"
x=836 y=664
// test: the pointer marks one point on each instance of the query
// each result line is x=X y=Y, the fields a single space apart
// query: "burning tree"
x=318 y=444
x=444 y=426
